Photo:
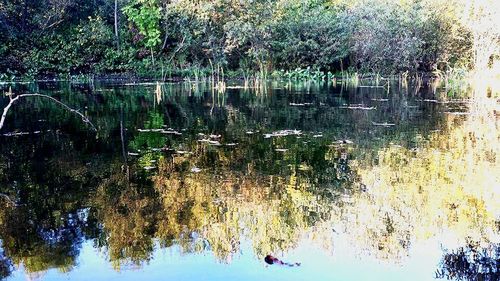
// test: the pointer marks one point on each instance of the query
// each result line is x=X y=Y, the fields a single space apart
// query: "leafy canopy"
x=145 y=15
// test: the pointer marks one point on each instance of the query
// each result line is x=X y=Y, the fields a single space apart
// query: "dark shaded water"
x=184 y=183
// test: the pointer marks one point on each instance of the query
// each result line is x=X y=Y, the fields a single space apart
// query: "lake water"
x=184 y=182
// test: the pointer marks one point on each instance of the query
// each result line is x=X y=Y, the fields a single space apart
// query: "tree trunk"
x=117 y=37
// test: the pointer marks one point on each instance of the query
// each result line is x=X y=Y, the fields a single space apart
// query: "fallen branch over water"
x=12 y=100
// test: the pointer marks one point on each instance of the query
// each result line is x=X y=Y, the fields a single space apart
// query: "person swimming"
x=273 y=260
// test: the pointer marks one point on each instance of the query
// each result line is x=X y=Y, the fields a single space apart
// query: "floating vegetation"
x=195 y=170
x=358 y=107
x=168 y=131
x=283 y=133
x=371 y=87
x=300 y=104
x=210 y=142
x=150 y=130
x=304 y=167
x=141 y=84
x=395 y=145
x=16 y=134
x=385 y=124
x=452 y=101
x=456 y=113
x=171 y=132
x=344 y=142
x=429 y=100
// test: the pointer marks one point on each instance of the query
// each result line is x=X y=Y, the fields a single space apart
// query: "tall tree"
x=117 y=37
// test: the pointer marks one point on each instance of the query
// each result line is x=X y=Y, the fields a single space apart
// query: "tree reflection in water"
x=447 y=183
x=40 y=248
x=5 y=265
x=472 y=262
x=389 y=190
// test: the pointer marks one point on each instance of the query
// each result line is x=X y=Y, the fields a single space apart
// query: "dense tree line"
x=255 y=37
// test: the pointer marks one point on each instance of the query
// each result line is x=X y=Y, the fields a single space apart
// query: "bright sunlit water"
x=184 y=182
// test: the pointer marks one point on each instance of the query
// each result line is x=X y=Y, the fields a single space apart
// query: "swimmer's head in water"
x=269 y=259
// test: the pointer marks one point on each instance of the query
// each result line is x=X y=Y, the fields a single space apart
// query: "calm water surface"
x=181 y=182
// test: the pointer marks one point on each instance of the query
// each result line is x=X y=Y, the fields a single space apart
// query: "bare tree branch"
x=14 y=99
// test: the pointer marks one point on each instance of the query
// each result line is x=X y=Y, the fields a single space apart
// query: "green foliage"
x=247 y=38
x=302 y=74
x=147 y=140
x=146 y=15
x=81 y=49
x=248 y=32
x=312 y=36
x=386 y=37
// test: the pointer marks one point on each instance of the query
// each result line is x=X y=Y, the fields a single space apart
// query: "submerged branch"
x=14 y=99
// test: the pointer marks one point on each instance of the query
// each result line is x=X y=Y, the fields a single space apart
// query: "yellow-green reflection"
x=272 y=211
x=448 y=185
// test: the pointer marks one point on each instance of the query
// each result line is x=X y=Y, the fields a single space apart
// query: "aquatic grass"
x=350 y=80
x=300 y=74
x=456 y=82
